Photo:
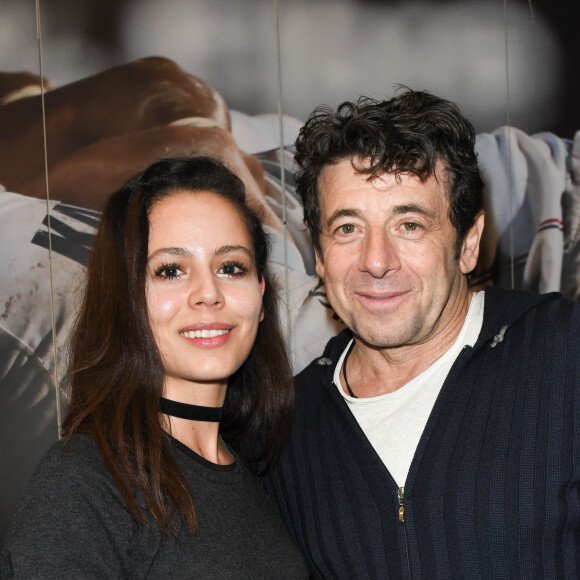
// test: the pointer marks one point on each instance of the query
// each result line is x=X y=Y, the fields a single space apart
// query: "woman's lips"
x=207 y=334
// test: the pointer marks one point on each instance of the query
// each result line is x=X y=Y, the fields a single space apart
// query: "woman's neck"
x=202 y=437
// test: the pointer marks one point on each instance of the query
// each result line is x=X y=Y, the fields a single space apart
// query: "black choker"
x=191 y=412
x=344 y=371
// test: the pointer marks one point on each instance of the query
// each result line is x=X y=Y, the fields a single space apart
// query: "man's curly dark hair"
x=408 y=133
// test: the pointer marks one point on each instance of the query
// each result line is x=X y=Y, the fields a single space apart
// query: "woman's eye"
x=168 y=271
x=233 y=269
x=347 y=229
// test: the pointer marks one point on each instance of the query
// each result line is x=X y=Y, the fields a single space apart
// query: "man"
x=439 y=435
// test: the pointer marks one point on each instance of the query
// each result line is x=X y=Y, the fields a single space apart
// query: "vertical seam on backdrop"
x=50 y=269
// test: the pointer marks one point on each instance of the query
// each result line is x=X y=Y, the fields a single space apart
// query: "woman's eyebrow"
x=231 y=249
x=186 y=252
x=182 y=252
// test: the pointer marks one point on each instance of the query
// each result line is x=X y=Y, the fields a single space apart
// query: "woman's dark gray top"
x=73 y=523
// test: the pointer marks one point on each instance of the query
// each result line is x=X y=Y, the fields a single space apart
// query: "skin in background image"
x=104 y=129
x=425 y=438
x=178 y=306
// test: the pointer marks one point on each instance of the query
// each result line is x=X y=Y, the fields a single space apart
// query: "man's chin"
x=382 y=337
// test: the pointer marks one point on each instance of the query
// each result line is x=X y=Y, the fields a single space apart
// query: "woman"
x=177 y=345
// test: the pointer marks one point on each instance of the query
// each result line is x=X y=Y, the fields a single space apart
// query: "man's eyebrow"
x=411 y=208
x=397 y=210
x=340 y=214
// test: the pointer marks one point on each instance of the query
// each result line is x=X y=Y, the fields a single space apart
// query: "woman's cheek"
x=161 y=305
x=253 y=304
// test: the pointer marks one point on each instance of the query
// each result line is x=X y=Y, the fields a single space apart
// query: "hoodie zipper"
x=401 y=495
x=401 y=505
x=401 y=490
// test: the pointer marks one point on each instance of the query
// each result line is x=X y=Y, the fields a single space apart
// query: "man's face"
x=388 y=255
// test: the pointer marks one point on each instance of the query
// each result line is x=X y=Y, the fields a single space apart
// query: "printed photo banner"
x=103 y=128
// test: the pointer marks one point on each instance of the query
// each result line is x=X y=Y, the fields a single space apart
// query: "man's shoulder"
x=321 y=369
x=315 y=381
x=520 y=300
x=515 y=303
x=504 y=308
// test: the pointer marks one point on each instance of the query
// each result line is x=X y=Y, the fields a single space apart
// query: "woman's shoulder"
x=79 y=444
x=72 y=472
x=67 y=457
x=68 y=517
x=71 y=518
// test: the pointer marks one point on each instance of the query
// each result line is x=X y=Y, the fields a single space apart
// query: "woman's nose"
x=205 y=290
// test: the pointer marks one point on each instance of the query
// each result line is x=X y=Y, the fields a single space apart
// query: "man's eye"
x=410 y=226
x=168 y=271
x=347 y=229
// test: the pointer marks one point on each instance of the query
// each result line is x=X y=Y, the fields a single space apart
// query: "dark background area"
x=331 y=50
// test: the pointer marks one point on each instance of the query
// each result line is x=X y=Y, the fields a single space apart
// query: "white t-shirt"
x=394 y=422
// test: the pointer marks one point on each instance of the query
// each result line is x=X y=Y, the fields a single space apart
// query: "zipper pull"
x=401 y=506
x=499 y=336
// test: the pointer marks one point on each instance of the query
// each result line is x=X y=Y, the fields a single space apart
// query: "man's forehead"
x=331 y=171
x=359 y=165
x=346 y=174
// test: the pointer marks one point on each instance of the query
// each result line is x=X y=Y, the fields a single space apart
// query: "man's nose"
x=379 y=253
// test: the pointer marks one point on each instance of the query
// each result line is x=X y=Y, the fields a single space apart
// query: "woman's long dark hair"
x=116 y=373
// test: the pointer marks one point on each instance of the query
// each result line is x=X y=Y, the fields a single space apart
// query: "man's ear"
x=319 y=263
x=470 y=246
x=263 y=289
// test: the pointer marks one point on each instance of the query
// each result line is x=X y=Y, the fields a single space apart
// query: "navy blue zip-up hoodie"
x=494 y=487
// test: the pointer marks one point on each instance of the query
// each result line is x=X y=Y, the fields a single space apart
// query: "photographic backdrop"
x=129 y=81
